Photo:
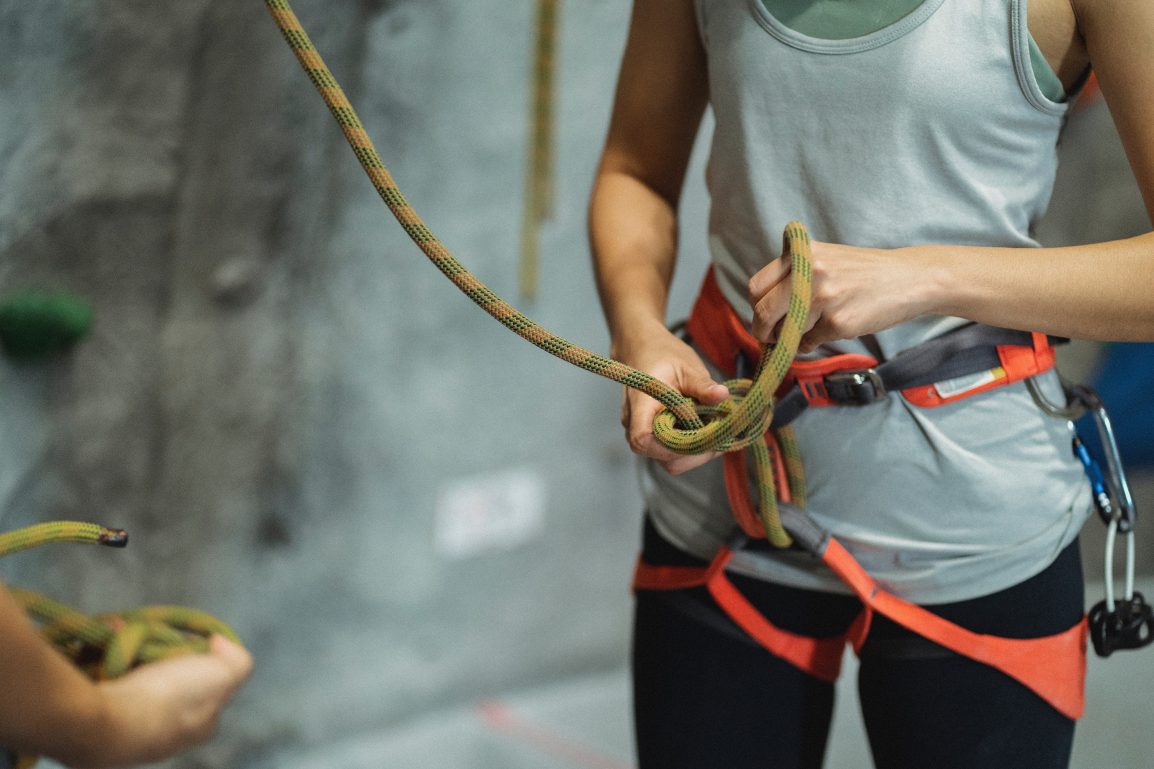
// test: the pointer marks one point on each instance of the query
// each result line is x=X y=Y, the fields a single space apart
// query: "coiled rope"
x=108 y=645
x=683 y=426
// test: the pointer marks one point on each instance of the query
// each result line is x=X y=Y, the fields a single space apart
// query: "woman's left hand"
x=856 y=291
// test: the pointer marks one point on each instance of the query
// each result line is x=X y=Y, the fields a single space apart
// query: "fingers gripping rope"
x=163 y=631
x=683 y=426
x=109 y=645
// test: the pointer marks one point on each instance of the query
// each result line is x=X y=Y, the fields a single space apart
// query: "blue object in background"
x=1125 y=381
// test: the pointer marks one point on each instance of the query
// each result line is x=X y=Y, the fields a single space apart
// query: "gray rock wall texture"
x=306 y=429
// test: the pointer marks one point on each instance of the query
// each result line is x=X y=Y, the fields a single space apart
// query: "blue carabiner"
x=1112 y=479
x=1102 y=501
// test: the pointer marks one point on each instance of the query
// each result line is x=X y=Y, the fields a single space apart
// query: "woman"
x=916 y=139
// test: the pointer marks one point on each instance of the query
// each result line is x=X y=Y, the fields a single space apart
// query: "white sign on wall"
x=491 y=512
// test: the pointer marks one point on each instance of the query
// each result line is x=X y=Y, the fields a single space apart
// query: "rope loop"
x=718 y=432
x=743 y=417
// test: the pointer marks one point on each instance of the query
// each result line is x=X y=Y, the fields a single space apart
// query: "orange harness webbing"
x=819 y=657
x=1053 y=667
x=721 y=335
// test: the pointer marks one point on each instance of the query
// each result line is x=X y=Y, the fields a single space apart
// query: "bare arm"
x=660 y=99
x=49 y=708
x=661 y=96
x=43 y=694
x=1101 y=291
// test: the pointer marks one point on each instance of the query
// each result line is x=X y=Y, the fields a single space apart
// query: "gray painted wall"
x=307 y=430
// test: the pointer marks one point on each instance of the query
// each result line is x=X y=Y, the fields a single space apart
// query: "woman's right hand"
x=663 y=355
x=165 y=707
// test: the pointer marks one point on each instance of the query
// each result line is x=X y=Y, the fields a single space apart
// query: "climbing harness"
x=1052 y=666
x=959 y=364
x=108 y=645
x=956 y=365
x=540 y=158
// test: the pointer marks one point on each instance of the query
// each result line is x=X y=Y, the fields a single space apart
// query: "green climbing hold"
x=34 y=325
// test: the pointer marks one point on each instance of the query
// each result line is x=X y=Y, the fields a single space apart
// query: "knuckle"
x=757 y=329
x=835 y=327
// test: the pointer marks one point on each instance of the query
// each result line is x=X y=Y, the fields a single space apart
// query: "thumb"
x=703 y=389
x=234 y=656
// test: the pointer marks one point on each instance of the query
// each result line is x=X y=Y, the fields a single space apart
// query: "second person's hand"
x=165 y=707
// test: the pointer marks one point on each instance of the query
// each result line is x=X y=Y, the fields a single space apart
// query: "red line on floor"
x=500 y=718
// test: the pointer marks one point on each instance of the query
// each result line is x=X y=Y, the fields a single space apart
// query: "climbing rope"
x=539 y=161
x=683 y=426
x=108 y=645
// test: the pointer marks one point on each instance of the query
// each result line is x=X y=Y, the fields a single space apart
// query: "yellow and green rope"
x=108 y=645
x=539 y=161
x=683 y=426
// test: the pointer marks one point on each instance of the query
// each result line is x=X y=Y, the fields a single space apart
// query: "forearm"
x=633 y=231
x=633 y=234
x=48 y=707
x=1103 y=291
x=661 y=95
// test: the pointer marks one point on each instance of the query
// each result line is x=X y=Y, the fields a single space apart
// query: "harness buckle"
x=839 y=380
x=857 y=387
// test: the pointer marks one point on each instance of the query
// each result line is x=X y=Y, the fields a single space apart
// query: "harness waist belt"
x=968 y=360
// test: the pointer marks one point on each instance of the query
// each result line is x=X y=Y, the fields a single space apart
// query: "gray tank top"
x=859 y=139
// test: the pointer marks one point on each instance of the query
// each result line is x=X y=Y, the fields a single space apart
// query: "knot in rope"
x=723 y=427
x=742 y=418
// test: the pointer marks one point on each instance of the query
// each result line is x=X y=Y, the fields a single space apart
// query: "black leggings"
x=706 y=696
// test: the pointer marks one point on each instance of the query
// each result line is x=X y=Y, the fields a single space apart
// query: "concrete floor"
x=583 y=723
